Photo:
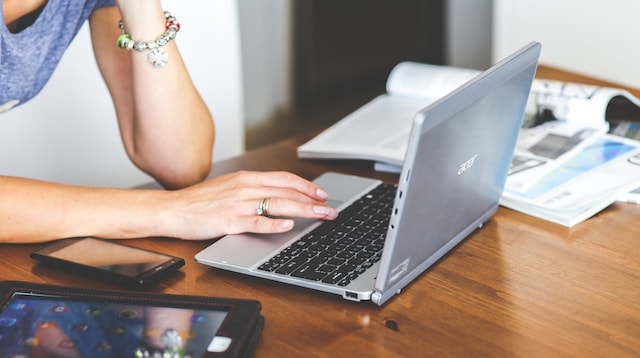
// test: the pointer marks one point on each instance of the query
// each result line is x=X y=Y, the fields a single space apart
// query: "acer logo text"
x=466 y=165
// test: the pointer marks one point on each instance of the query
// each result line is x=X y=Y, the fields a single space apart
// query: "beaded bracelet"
x=158 y=57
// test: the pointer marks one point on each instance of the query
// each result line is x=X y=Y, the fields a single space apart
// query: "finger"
x=283 y=207
x=264 y=225
x=272 y=217
x=280 y=179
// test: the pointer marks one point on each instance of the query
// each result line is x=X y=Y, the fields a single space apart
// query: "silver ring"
x=263 y=207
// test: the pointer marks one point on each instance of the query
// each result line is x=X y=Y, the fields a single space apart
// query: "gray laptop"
x=459 y=152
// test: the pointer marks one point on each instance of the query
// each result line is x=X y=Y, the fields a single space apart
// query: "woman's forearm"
x=37 y=211
x=166 y=127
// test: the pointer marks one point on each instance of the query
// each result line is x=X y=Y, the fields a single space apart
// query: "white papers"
x=379 y=130
x=583 y=185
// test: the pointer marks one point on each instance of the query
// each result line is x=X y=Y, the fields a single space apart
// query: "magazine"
x=582 y=185
x=379 y=130
x=631 y=197
x=560 y=119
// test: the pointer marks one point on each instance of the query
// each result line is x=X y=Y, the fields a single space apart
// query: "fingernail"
x=325 y=210
x=286 y=224
x=323 y=194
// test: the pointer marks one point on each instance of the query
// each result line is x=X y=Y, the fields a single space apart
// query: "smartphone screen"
x=109 y=259
x=37 y=325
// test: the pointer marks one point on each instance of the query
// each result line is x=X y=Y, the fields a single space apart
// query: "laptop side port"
x=352 y=296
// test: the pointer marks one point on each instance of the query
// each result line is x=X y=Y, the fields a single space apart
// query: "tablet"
x=49 y=320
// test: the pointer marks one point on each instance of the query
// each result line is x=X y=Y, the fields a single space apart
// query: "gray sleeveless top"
x=29 y=57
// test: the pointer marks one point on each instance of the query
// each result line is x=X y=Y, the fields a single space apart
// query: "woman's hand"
x=229 y=205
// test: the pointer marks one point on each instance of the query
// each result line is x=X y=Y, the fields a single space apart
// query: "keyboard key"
x=337 y=251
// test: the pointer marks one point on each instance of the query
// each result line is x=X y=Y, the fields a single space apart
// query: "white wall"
x=468 y=33
x=68 y=133
x=265 y=29
x=593 y=37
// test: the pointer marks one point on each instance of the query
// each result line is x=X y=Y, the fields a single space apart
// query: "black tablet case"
x=245 y=337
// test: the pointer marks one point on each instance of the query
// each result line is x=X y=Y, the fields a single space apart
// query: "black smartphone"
x=107 y=259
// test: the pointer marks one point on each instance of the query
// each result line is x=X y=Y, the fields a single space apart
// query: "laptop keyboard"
x=337 y=251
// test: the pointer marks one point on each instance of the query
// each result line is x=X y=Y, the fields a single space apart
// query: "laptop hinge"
x=376 y=297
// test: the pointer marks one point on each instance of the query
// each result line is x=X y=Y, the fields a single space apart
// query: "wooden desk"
x=518 y=287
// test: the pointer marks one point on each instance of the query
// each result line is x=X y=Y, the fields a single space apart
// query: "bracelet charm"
x=158 y=57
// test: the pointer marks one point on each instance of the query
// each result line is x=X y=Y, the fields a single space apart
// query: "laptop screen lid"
x=454 y=173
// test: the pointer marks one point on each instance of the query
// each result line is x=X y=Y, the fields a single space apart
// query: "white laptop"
x=459 y=152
